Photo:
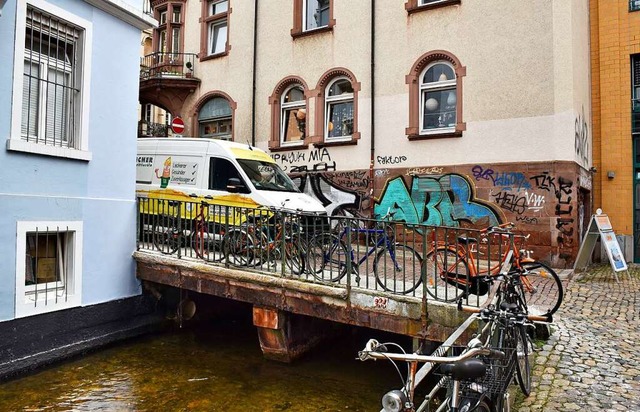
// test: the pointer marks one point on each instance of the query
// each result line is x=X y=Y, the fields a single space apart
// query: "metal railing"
x=168 y=65
x=378 y=255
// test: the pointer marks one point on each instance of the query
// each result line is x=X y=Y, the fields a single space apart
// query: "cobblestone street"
x=591 y=362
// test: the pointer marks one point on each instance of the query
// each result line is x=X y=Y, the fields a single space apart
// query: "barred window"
x=51 y=276
x=51 y=78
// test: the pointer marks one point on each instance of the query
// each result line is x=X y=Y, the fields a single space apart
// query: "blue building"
x=68 y=118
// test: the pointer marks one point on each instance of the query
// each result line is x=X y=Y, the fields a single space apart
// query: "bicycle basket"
x=499 y=374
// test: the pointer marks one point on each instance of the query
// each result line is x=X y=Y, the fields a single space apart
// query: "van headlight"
x=394 y=401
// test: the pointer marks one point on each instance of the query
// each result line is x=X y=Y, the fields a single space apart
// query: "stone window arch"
x=289 y=110
x=435 y=96
x=214 y=116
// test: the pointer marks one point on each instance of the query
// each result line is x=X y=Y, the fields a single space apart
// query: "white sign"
x=600 y=227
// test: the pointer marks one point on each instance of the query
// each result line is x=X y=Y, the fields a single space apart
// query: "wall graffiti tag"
x=582 y=138
x=445 y=200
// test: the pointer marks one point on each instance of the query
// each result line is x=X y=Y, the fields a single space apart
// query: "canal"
x=207 y=365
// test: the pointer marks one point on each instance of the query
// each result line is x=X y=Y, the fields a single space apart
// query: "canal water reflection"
x=213 y=366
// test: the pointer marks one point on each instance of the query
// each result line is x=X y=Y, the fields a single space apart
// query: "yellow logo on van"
x=242 y=153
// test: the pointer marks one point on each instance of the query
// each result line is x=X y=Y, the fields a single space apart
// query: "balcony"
x=167 y=79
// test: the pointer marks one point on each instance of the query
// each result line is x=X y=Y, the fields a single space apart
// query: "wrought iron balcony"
x=168 y=66
x=634 y=5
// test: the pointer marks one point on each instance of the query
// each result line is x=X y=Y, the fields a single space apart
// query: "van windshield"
x=267 y=176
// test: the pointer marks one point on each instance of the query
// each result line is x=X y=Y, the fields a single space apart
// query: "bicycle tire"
x=239 y=247
x=165 y=234
x=294 y=256
x=327 y=257
x=439 y=262
x=405 y=266
x=472 y=405
x=543 y=288
x=523 y=362
x=204 y=248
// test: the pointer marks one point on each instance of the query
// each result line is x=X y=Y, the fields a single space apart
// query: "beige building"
x=462 y=113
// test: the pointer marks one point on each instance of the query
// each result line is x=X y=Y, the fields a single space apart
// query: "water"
x=210 y=366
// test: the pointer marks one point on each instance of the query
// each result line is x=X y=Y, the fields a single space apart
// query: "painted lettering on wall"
x=444 y=200
x=300 y=159
x=391 y=160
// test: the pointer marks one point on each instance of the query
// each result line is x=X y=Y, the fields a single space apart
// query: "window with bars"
x=51 y=78
x=48 y=276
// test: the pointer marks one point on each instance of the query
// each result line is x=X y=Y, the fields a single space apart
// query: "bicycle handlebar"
x=373 y=350
x=502 y=228
x=547 y=318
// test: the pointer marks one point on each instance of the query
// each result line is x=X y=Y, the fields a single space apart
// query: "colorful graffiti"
x=447 y=200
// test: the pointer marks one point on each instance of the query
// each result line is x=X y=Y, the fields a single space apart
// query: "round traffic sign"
x=177 y=125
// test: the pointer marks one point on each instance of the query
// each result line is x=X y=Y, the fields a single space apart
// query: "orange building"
x=615 y=60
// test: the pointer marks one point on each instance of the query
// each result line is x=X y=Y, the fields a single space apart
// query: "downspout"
x=253 y=81
x=373 y=100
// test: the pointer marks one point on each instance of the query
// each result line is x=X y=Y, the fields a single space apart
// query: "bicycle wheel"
x=205 y=246
x=398 y=269
x=523 y=365
x=472 y=404
x=446 y=274
x=542 y=288
x=165 y=234
x=327 y=257
x=294 y=256
x=239 y=247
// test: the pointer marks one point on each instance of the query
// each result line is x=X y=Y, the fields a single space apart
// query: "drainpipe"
x=253 y=82
x=373 y=99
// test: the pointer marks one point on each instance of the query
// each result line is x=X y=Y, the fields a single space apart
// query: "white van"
x=225 y=173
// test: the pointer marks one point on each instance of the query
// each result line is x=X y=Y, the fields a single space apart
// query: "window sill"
x=215 y=56
x=20 y=145
x=413 y=7
x=325 y=29
x=320 y=142
x=434 y=135
x=279 y=147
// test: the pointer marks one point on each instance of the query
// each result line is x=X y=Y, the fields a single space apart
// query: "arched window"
x=435 y=96
x=293 y=116
x=339 y=110
x=438 y=97
x=215 y=119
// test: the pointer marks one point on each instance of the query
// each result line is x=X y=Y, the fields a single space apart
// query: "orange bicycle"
x=452 y=270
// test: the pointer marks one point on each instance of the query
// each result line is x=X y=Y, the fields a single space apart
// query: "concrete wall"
x=99 y=192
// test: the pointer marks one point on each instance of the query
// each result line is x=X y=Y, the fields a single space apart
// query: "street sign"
x=177 y=125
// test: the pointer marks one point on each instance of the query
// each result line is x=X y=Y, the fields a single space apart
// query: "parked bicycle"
x=453 y=270
x=397 y=267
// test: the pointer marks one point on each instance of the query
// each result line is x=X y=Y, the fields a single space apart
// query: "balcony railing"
x=635 y=116
x=168 y=65
x=634 y=5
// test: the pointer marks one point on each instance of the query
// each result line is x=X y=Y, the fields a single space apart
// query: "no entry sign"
x=177 y=125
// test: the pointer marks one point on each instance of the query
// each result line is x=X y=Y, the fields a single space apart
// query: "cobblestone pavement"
x=591 y=362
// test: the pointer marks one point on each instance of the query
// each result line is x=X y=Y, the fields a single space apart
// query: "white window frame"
x=25 y=303
x=434 y=87
x=331 y=100
x=305 y=6
x=15 y=141
x=211 y=40
x=284 y=106
x=212 y=6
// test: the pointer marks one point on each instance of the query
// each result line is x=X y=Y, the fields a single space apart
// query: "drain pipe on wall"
x=373 y=100
x=253 y=81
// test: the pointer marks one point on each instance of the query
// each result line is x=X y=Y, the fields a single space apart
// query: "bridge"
x=295 y=269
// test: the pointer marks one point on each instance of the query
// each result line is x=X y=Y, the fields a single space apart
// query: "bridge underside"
x=277 y=300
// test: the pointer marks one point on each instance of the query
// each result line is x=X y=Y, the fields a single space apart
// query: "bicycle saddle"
x=467 y=240
x=465 y=370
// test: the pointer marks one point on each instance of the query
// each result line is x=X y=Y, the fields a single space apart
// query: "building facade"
x=615 y=59
x=68 y=177
x=462 y=113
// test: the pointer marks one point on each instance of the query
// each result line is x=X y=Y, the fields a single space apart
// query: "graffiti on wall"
x=582 y=139
x=447 y=200
x=300 y=160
